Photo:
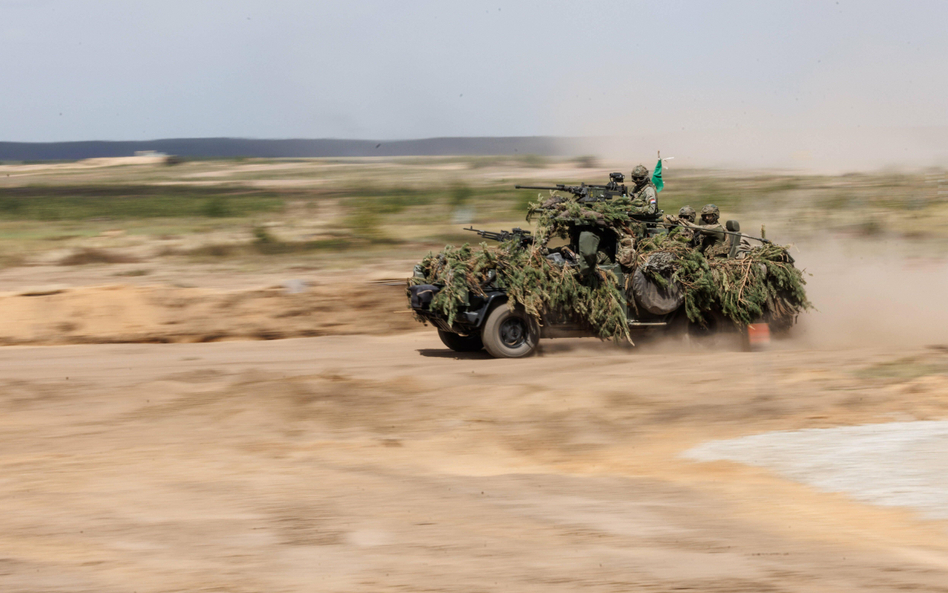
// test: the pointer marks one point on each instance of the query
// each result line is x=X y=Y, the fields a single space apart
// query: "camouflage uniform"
x=687 y=214
x=625 y=251
x=643 y=193
x=589 y=254
x=713 y=233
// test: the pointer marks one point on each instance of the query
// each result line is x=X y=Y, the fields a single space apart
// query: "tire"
x=711 y=326
x=510 y=333
x=655 y=299
x=460 y=343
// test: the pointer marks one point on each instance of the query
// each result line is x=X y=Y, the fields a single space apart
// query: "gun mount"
x=523 y=236
x=589 y=193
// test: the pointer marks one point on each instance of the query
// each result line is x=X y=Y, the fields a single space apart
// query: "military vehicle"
x=597 y=266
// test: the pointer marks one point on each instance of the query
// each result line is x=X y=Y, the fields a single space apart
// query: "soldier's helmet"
x=710 y=214
x=639 y=174
x=688 y=213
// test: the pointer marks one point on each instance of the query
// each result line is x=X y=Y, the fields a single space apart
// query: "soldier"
x=643 y=194
x=710 y=232
x=625 y=248
x=687 y=214
x=590 y=255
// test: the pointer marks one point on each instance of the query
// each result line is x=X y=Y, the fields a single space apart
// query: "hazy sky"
x=80 y=70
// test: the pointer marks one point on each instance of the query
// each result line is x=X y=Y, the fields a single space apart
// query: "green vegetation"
x=268 y=246
x=530 y=280
x=906 y=369
x=461 y=194
x=67 y=203
x=413 y=203
x=762 y=284
x=530 y=161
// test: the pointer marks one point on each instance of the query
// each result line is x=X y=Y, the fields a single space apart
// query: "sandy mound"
x=364 y=463
x=124 y=313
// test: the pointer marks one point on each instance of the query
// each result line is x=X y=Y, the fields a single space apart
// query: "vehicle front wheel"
x=460 y=343
x=510 y=333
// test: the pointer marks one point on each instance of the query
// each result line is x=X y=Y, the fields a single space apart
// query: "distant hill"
x=825 y=150
x=300 y=148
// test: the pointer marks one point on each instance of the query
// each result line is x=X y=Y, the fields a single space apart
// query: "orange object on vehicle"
x=758 y=334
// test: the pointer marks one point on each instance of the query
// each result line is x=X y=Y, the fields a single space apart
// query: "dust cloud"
x=870 y=295
x=806 y=150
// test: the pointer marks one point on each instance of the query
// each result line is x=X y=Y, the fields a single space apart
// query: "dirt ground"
x=203 y=454
x=194 y=303
x=361 y=463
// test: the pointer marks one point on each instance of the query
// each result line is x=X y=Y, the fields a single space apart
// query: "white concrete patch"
x=893 y=464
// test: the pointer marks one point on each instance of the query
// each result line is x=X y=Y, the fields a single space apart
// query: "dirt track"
x=122 y=313
x=354 y=463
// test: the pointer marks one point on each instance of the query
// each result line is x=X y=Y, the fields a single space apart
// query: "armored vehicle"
x=598 y=265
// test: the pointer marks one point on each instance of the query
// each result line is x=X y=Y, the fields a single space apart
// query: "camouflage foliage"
x=530 y=280
x=555 y=215
x=763 y=284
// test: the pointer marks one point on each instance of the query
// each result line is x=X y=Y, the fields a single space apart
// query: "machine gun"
x=524 y=237
x=733 y=228
x=582 y=191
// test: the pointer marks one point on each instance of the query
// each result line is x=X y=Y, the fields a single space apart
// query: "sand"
x=377 y=463
x=157 y=435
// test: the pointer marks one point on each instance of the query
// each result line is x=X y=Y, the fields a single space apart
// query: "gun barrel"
x=701 y=230
x=525 y=236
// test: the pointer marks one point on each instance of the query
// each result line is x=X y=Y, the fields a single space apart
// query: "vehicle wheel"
x=510 y=334
x=460 y=343
x=678 y=324
x=745 y=341
x=654 y=298
x=710 y=327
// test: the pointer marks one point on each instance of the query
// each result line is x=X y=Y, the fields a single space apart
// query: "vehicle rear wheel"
x=653 y=297
x=510 y=333
x=460 y=343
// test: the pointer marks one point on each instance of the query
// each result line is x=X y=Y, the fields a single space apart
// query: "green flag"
x=657 y=176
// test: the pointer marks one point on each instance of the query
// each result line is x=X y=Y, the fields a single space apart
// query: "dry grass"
x=90 y=255
x=347 y=207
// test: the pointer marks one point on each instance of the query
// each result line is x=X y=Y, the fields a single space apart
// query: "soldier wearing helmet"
x=680 y=232
x=708 y=232
x=643 y=193
x=710 y=214
x=711 y=232
x=687 y=213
